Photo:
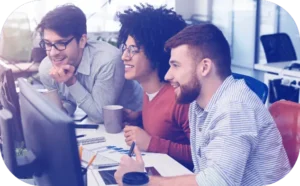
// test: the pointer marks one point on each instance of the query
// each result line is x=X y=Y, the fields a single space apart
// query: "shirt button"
x=200 y=129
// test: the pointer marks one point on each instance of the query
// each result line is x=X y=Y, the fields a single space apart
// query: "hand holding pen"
x=128 y=164
x=130 y=153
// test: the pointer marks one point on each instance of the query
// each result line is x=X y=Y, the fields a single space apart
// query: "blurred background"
x=263 y=38
x=243 y=22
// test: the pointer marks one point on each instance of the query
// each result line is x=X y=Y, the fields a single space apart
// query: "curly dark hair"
x=66 y=20
x=151 y=28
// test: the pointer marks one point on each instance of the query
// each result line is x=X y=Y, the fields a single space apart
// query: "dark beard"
x=189 y=93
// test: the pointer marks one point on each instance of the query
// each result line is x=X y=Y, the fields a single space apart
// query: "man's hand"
x=141 y=137
x=64 y=109
x=128 y=164
x=63 y=74
x=130 y=116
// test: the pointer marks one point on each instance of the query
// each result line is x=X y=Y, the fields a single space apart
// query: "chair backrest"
x=258 y=87
x=286 y=115
x=278 y=47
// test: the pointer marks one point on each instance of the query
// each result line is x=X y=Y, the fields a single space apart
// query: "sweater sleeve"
x=178 y=151
x=138 y=122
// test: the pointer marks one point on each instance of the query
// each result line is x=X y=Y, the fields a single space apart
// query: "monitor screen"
x=49 y=134
x=9 y=99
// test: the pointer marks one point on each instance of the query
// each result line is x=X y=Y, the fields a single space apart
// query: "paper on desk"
x=100 y=161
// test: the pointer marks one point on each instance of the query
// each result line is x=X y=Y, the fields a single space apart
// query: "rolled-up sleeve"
x=228 y=146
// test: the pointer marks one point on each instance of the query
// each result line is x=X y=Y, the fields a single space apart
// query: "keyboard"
x=99 y=162
x=88 y=141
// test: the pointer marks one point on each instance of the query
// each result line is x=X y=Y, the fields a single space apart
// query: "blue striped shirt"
x=234 y=140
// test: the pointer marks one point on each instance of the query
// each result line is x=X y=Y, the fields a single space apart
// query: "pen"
x=80 y=136
x=131 y=149
x=80 y=152
x=91 y=161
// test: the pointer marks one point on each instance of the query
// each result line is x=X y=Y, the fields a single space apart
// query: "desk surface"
x=277 y=68
x=163 y=163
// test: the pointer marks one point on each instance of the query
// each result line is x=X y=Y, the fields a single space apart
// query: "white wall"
x=189 y=7
x=185 y=8
x=244 y=22
x=268 y=24
x=288 y=25
x=222 y=17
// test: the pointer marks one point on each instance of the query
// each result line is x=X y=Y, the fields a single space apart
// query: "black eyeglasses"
x=60 y=45
x=131 y=50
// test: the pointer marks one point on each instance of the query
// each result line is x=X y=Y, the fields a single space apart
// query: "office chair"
x=286 y=115
x=258 y=87
x=278 y=47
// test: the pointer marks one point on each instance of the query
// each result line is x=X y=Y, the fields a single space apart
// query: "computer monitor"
x=9 y=100
x=49 y=134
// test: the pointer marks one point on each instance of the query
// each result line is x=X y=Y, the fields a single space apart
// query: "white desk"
x=276 y=71
x=163 y=163
x=278 y=68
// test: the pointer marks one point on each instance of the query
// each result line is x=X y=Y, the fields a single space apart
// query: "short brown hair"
x=206 y=41
x=66 y=20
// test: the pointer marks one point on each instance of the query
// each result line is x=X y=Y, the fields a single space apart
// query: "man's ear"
x=204 y=67
x=82 y=41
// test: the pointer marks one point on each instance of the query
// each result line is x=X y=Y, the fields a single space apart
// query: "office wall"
x=190 y=7
x=244 y=25
x=268 y=24
x=184 y=8
x=275 y=19
x=288 y=25
x=222 y=17
x=237 y=21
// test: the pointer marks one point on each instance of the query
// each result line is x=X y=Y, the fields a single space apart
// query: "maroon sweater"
x=167 y=123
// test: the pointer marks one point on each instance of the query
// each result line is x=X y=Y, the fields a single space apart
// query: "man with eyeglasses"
x=88 y=74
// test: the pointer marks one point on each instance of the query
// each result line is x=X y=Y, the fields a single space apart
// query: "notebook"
x=100 y=161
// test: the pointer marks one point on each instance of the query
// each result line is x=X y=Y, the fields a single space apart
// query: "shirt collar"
x=226 y=83
x=84 y=65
